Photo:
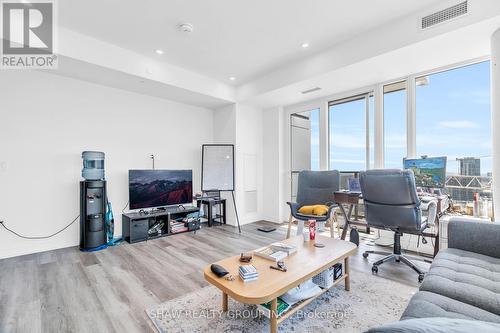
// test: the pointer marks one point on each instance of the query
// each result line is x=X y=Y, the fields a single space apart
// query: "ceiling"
x=240 y=38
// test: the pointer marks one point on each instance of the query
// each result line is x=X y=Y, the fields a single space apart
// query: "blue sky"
x=454 y=117
x=453 y=120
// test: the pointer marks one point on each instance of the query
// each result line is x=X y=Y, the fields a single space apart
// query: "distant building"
x=469 y=166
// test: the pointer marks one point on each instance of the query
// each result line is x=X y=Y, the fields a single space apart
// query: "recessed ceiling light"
x=232 y=78
x=159 y=51
x=304 y=45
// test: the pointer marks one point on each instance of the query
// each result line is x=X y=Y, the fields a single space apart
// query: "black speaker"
x=92 y=214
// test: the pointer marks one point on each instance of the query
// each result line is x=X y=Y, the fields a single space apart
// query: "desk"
x=353 y=198
x=210 y=203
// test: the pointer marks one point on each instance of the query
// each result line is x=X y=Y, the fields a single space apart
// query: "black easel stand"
x=236 y=211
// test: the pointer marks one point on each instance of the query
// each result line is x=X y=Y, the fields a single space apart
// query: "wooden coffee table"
x=302 y=265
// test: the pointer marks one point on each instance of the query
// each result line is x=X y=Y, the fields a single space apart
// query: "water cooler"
x=93 y=202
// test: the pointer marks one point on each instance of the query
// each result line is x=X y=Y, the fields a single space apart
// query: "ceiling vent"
x=445 y=15
x=308 y=91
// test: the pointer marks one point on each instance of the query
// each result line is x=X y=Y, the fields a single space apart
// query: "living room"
x=225 y=166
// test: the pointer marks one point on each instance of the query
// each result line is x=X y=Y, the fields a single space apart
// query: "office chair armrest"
x=331 y=207
x=294 y=208
x=473 y=235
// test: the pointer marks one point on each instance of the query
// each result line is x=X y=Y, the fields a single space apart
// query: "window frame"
x=366 y=96
x=379 y=132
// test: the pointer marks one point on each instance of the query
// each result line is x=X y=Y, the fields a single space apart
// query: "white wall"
x=249 y=163
x=275 y=174
x=224 y=124
x=241 y=125
x=46 y=121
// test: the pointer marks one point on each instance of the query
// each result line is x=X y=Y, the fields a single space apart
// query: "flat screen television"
x=429 y=172
x=158 y=188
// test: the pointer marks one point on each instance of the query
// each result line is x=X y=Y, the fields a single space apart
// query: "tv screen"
x=156 y=188
x=429 y=172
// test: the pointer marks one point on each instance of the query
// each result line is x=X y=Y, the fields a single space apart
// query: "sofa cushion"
x=467 y=277
x=425 y=304
x=437 y=325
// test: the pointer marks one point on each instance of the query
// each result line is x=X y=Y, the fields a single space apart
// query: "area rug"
x=372 y=301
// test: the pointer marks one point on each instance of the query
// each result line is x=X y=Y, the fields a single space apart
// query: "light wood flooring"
x=108 y=291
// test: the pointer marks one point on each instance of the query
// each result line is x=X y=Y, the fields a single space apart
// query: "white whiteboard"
x=217 y=168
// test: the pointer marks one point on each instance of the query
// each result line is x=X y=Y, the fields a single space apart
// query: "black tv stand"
x=137 y=225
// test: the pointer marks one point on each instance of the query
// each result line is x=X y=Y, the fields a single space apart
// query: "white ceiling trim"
x=468 y=43
x=393 y=36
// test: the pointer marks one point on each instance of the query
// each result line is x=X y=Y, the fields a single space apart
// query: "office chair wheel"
x=421 y=278
x=374 y=269
x=365 y=255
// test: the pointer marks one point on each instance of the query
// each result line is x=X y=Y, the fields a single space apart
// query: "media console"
x=136 y=226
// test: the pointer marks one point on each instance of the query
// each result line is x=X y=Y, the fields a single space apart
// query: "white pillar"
x=495 y=119
x=411 y=118
x=379 y=127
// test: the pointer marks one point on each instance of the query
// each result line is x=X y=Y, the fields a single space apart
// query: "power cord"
x=38 y=237
x=123 y=210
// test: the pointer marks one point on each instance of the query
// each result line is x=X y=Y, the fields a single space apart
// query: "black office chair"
x=391 y=203
x=314 y=187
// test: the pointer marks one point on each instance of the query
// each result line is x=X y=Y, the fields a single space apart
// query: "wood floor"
x=107 y=291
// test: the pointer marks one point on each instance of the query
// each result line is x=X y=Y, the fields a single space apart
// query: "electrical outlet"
x=3 y=166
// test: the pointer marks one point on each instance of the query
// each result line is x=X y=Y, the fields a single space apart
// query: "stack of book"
x=265 y=309
x=289 y=249
x=248 y=273
x=176 y=227
x=276 y=252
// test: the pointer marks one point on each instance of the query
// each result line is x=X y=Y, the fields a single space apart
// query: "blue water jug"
x=93 y=165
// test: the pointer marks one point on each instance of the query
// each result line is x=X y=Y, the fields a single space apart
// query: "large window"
x=394 y=124
x=351 y=133
x=453 y=119
x=439 y=113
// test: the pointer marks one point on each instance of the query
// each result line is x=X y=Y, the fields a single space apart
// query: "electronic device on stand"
x=217 y=170
x=157 y=189
x=164 y=200
x=430 y=178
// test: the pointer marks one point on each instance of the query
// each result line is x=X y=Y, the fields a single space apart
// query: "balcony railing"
x=479 y=183
x=462 y=188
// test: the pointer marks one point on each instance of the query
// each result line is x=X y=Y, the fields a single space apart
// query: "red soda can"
x=312 y=229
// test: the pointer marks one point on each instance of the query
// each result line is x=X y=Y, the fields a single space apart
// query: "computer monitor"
x=429 y=172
